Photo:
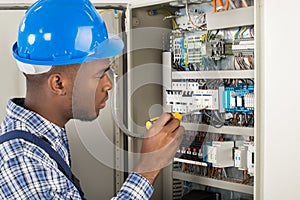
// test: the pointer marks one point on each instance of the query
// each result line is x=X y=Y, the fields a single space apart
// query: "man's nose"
x=107 y=82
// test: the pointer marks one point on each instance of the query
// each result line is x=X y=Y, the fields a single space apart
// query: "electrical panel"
x=209 y=68
x=213 y=86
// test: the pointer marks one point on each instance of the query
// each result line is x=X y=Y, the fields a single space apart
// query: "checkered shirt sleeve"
x=27 y=171
x=135 y=187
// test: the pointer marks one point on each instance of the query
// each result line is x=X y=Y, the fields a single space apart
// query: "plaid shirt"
x=27 y=172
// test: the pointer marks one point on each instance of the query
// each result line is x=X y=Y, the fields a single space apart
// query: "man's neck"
x=46 y=109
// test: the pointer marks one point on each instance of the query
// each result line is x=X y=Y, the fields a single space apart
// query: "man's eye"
x=100 y=76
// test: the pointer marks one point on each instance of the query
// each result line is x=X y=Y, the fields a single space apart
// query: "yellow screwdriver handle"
x=149 y=123
x=177 y=115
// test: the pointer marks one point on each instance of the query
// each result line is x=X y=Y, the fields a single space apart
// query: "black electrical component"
x=201 y=195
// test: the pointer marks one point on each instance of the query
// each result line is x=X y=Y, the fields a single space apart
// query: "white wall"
x=281 y=100
x=12 y=81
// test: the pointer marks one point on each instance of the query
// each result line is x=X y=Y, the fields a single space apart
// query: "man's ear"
x=56 y=84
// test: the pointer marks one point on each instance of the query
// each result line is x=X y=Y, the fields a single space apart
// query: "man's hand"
x=159 y=146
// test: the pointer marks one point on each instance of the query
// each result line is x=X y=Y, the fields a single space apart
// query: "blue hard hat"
x=60 y=32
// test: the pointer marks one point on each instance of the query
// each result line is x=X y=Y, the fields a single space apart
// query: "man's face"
x=90 y=89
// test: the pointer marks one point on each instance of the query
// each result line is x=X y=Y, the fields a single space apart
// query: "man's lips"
x=103 y=104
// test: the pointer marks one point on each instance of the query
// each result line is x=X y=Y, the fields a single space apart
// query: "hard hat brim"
x=111 y=47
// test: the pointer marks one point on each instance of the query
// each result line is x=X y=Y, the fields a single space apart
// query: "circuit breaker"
x=220 y=154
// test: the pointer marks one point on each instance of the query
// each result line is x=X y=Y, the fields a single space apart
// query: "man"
x=63 y=50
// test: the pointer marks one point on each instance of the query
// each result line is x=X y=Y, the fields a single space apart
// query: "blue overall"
x=62 y=165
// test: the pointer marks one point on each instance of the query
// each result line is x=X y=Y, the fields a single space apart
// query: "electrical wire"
x=190 y=19
x=244 y=3
x=242 y=32
x=215 y=5
x=237 y=33
x=251 y=34
x=227 y=5
x=213 y=36
x=220 y=6
x=168 y=14
x=232 y=4
x=250 y=60
x=165 y=12
x=106 y=10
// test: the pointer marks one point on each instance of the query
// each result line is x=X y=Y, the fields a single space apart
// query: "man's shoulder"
x=20 y=148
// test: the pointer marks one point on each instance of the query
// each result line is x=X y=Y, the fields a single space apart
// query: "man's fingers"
x=171 y=126
x=178 y=133
x=164 y=118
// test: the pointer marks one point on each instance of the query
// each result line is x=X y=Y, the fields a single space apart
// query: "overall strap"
x=62 y=165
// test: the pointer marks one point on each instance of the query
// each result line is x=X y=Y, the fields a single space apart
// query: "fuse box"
x=208 y=72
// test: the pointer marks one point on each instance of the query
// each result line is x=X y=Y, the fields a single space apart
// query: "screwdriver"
x=176 y=115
